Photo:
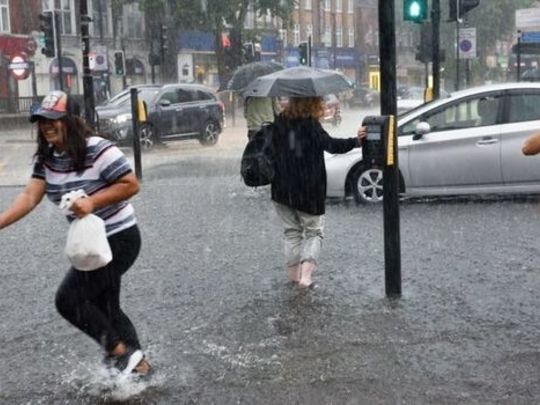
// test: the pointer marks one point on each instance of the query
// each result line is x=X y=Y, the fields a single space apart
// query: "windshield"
x=123 y=98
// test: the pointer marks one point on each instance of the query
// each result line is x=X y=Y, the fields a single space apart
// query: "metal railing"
x=21 y=105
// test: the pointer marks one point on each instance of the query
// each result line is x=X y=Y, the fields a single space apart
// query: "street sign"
x=530 y=37
x=467 y=43
x=527 y=18
x=19 y=66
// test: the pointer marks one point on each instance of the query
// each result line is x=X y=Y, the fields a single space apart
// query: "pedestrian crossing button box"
x=374 y=148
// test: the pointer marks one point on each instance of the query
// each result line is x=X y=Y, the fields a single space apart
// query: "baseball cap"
x=53 y=106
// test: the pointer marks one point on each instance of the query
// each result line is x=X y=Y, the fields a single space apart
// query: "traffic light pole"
x=387 y=56
x=88 y=85
x=58 y=47
x=436 y=19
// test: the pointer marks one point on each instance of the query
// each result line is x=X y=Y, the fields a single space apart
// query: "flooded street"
x=221 y=325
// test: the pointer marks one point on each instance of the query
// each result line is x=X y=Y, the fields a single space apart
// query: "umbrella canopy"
x=299 y=81
x=245 y=74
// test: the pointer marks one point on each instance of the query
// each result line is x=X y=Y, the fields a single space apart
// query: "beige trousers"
x=303 y=234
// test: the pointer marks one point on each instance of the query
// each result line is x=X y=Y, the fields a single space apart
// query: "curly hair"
x=77 y=130
x=304 y=107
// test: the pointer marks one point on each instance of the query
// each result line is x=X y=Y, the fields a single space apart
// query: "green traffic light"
x=415 y=10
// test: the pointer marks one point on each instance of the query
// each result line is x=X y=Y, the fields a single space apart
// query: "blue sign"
x=530 y=37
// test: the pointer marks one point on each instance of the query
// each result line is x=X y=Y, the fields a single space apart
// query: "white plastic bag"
x=87 y=247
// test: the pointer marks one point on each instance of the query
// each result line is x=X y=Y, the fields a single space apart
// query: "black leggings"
x=90 y=300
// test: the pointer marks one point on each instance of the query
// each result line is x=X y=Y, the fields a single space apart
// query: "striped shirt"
x=104 y=165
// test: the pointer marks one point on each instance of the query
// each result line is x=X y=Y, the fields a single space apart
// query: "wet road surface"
x=221 y=325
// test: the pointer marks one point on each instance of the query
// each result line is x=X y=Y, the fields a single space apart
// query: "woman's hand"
x=362 y=133
x=82 y=206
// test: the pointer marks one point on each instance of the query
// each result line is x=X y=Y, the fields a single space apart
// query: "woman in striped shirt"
x=70 y=157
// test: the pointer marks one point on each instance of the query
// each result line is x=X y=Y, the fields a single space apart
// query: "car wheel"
x=147 y=136
x=210 y=133
x=367 y=185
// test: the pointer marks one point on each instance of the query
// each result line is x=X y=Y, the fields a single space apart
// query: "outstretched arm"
x=24 y=203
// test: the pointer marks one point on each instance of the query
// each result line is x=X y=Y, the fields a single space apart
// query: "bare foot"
x=293 y=273
x=307 y=269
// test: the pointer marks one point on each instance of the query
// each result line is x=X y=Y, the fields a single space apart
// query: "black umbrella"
x=299 y=81
x=245 y=74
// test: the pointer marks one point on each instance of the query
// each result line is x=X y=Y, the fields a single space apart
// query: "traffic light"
x=163 y=39
x=303 y=50
x=458 y=8
x=415 y=10
x=46 y=25
x=119 y=63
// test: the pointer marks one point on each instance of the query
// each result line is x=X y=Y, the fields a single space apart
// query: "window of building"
x=309 y=31
x=327 y=4
x=100 y=14
x=339 y=37
x=133 y=21
x=296 y=34
x=338 y=6
x=351 y=37
x=4 y=16
x=66 y=8
x=350 y=6
x=307 y=4
x=327 y=36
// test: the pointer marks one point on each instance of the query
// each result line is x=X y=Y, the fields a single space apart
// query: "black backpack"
x=257 y=165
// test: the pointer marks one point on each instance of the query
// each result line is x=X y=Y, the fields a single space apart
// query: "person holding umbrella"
x=299 y=185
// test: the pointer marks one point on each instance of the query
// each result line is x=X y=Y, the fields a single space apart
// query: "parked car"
x=175 y=111
x=364 y=97
x=413 y=97
x=468 y=143
x=332 y=108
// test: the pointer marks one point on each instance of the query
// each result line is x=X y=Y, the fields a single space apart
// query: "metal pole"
x=387 y=56
x=456 y=86
x=56 y=28
x=518 y=57
x=88 y=87
x=309 y=50
x=136 y=135
x=435 y=67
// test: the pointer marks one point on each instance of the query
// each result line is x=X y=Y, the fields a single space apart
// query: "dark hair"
x=77 y=130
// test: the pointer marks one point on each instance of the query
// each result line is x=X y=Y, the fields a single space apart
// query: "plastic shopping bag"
x=87 y=247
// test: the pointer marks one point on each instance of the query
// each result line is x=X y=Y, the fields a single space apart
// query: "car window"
x=524 y=107
x=469 y=113
x=185 y=96
x=203 y=95
x=170 y=95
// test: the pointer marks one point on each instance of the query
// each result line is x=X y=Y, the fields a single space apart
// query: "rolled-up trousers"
x=303 y=234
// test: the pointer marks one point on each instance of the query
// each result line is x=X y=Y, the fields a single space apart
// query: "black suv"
x=175 y=111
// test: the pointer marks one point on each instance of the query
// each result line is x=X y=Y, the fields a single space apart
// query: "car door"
x=188 y=113
x=522 y=118
x=462 y=149
x=167 y=103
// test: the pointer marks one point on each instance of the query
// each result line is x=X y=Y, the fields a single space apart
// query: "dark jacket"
x=300 y=179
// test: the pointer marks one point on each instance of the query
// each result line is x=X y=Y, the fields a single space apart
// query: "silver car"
x=469 y=143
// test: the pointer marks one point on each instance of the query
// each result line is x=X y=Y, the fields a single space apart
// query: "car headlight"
x=120 y=119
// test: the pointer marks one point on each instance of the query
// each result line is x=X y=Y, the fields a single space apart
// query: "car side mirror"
x=165 y=102
x=421 y=129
